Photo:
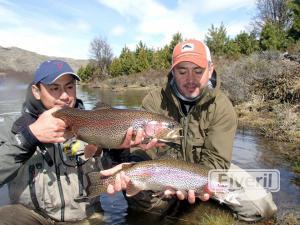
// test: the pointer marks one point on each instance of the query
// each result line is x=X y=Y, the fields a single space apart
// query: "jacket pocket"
x=194 y=149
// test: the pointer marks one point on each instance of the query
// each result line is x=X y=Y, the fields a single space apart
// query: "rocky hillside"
x=20 y=60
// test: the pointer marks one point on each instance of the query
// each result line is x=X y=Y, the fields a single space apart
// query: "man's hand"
x=138 y=141
x=49 y=129
x=190 y=195
x=121 y=180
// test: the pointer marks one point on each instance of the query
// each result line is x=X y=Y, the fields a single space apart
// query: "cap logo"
x=59 y=65
x=187 y=47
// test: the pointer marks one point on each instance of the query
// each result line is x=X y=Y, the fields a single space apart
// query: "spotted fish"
x=107 y=127
x=160 y=175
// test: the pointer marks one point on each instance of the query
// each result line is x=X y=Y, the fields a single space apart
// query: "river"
x=250 y=151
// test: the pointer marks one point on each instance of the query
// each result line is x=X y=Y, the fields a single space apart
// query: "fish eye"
x=171 y=126
x=165 y=125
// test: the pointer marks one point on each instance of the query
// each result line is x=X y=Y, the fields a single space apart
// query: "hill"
x=15 y=61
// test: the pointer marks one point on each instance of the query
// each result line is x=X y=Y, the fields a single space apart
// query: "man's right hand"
x=49 y=129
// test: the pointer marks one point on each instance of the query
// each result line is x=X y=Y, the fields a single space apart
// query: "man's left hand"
x=190 y=195
x=138 y=141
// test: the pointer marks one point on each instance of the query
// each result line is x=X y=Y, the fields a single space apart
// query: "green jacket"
x=208 y=128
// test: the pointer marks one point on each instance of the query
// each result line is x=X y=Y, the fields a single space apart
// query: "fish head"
x=217 y=187
x=223 y=192
x=164 y=131
x=68 y=115
x=65 y=114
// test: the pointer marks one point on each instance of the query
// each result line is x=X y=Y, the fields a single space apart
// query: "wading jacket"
x=208 y=127
x=41 y=176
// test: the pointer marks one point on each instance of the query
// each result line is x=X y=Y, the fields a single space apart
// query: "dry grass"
x=203 y=214
x=289 y=219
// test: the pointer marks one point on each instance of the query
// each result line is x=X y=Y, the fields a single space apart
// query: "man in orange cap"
x=193 y=97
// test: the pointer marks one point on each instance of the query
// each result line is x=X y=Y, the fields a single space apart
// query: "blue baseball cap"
x=49 y=71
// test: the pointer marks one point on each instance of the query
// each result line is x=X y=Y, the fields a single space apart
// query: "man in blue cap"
x=46 y=181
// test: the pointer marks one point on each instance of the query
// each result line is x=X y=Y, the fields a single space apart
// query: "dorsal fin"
x=102 y=105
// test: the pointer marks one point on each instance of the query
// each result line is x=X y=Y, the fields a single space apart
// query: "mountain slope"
x=20 y=60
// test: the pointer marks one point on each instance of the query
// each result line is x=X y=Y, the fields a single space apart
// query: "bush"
x=265 y=74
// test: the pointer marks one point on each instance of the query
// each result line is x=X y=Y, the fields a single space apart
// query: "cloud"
x=235 y=28
x=68 y=31
x=154 y=19
x=39 y=33
x=117 y=31
x=81 y=26
x=221 y=5
x=7 y=16
x=43 y=43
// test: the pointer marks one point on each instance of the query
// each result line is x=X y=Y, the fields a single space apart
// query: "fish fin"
x=159 y=194
x=171 y=144
x=68 y=134
x=102 y=105
x=232 y=201
x=131 y=190
x=97 y=184
x=126 y=166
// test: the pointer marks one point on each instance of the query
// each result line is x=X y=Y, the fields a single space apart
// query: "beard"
x=190 y=90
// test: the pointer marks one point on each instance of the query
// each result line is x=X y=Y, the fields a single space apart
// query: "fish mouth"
x=170 y=135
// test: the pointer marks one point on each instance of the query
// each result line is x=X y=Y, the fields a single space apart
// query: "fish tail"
x=97 y=184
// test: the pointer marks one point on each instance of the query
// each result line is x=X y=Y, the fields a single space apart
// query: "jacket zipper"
x=61 y=194
x=185 y=131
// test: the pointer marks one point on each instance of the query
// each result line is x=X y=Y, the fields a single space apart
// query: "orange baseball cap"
x=191 y=51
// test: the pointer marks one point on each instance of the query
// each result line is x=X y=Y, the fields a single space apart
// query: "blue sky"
x=65 y=28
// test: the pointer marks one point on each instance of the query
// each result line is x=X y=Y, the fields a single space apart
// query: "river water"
x=250 y=150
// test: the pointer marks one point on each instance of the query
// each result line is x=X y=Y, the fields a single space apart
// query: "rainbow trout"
x=107 y=127
x=160 y=175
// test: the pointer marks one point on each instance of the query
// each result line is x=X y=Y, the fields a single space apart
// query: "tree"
x=143 y=57
x=272 y=12
x=128 y=61
x=247 y=43
x=294 y=6
x=176 y=38
x=86 y=73
x=101 y=53
x=160 y=59
x=232 y=49
x=115 y=68
x=272 y=37
x=216 y=40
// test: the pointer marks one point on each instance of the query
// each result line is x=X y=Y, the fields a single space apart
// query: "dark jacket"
x=41 y=176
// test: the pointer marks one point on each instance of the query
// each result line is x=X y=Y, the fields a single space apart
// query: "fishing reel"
x=72 y=152
x=74 y=147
